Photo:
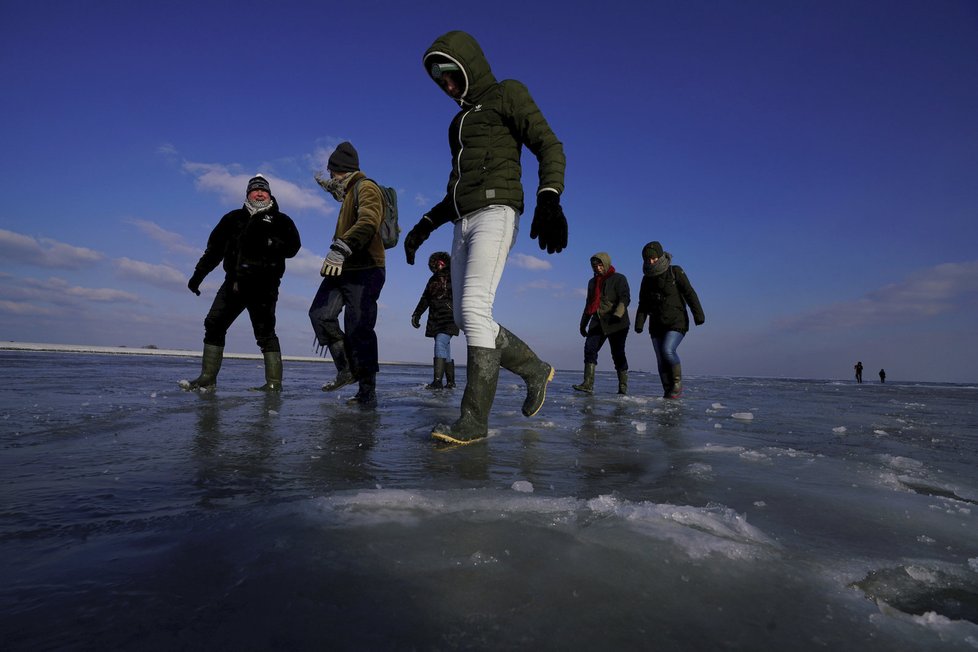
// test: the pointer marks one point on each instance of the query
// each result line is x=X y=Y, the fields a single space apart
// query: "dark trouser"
x=595 y=340
x=358 y=291
x=258 y=298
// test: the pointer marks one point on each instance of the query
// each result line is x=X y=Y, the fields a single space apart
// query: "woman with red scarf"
x=605 y=318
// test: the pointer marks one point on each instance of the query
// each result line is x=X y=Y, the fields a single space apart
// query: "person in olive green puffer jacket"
x=484 y=200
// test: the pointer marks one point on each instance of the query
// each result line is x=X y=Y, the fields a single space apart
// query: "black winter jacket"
x=614 y=291
x=437 y=300
x=253 y=247
x=663 y=298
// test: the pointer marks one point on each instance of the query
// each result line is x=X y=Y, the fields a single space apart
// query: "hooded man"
x=253 y=242
x=605 y=317
x=484 y=200
x=353 y=274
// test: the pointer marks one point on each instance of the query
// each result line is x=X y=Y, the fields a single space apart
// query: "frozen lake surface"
x=752 y=514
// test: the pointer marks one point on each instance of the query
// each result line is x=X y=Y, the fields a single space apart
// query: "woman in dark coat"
x=437 y=300
x=663 y=297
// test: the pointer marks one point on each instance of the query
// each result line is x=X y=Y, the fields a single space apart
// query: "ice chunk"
x=743 y=416
x=523 y=486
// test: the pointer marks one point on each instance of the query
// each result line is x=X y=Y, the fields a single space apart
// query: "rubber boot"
x=623 y=381
x=273 y=372
x=343 y=374
x=439 y=367
x=665 y=377
x=482 y=376
x=588 y=384
x=676 y=389
x=209 y=367
x=450 y=374
x=366 y=396
x=517 y=357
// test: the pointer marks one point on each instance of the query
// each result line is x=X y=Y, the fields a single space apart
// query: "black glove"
x=585 y=319
x=416 y=320
x=549 y=223
x=194 y=283
x=639 y=321
x=416 y=237
x=699 y=322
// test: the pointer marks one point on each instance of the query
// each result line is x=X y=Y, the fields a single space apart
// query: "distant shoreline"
x=125 y=350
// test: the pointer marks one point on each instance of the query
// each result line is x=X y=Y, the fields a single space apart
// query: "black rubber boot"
x=482 y=375
x=450 y=374
x=517 y=357
x=343 y=374
x=665 y=377
x=366 y=396
x=588 y=384
x=623 y=381
x=439 y=367
x=209 y=367
x=676 y=388
x=273 y=372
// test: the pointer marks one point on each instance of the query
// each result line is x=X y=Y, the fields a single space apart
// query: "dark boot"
x=623 y=381
x=588 y=384
x=676 y=390
x=665 y=377
x=210 y=366
x=366 y=396
x=273 y=372
x=439 y=367
x=343 y=374
x=517 y=357
x=482 y=375
x=450 y=374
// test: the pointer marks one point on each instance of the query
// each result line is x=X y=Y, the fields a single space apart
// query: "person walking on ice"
x=437 y=300
x=484 y=200
x=605 y=317
x=663 y=297
x=253 y=242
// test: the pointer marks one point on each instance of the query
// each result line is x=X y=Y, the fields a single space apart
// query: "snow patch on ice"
x=743 y=416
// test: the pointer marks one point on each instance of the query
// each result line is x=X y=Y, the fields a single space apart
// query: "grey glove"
x=619 y=310
x=585 y=318
x=333 y=264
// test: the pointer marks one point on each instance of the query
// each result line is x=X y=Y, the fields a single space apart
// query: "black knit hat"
x=258 y=182
x=652 y=250
x=344 y=159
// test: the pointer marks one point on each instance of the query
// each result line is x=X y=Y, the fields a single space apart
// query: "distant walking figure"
x=859 y=372
x=882 y=375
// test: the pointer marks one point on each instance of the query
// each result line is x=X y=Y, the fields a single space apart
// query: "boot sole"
x=543 y=398
x=440 y=436
x=332 y=387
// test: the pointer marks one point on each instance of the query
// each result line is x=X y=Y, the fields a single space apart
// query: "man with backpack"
x=354 y=270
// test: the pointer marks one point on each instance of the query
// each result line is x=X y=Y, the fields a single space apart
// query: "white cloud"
x=230 y=185
x=25 y=309
x=305 y=263
x=926 y=294
x=58 y=291
x=45 y=252
x=159 y=275
x=171 y=241
x=530 y=262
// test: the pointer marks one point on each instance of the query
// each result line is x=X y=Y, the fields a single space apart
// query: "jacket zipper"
x=458 y=164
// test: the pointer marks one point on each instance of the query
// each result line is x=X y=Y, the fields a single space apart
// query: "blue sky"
x=813 y=166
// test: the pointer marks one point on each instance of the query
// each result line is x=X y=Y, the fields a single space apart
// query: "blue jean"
x=665 y=346
x=359 y=290
x=443 y=346
x=480 y=247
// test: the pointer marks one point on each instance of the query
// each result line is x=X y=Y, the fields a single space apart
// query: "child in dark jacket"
x=437 y=300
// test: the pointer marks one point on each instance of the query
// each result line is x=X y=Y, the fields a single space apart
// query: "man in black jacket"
x=253 y=242
x=605 y=317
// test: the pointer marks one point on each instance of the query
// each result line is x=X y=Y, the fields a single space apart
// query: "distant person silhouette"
x=882 y=375
x=859 y=372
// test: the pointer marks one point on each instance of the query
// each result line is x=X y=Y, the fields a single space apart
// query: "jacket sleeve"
x=689 y=296
x=422 y=302
x=644 y=305
x=442 y=212
x=216 y=246
x=286 y=242
x=370 y=212
x=534 y=132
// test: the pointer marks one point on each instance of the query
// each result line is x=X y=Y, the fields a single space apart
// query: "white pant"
x=480 y=247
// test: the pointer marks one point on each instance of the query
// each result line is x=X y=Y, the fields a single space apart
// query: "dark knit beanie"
x=652 y=250
x=344 y=159
x=258 y=182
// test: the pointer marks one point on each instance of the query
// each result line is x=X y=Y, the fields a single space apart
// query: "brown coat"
x=359 y=226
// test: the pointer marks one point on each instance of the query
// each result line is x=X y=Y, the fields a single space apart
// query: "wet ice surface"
x=136 y=515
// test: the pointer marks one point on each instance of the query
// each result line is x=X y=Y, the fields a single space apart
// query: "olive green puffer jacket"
x=486 y=136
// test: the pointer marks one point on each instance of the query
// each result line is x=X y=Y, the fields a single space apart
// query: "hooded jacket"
x=614 y=293
x=253 y=247
x=664 y=297
x=487 y=135
x=437 y=300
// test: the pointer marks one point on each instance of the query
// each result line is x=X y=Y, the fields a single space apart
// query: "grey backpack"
x=389 y=229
